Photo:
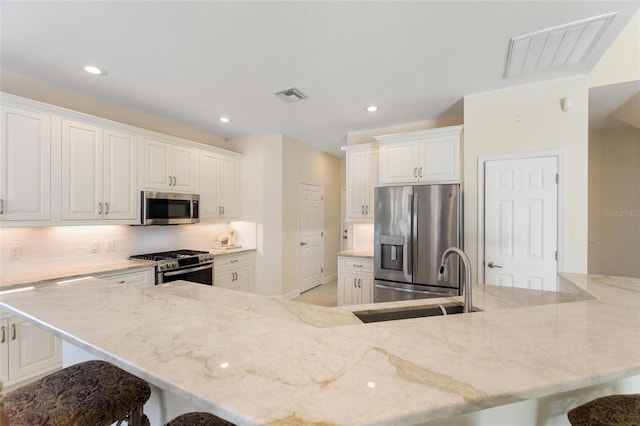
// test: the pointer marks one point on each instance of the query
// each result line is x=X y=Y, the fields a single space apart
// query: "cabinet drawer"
x=141 y=279
x=356 y=264
x=232 y=261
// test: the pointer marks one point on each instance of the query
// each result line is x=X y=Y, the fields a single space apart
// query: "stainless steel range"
x=188 y=265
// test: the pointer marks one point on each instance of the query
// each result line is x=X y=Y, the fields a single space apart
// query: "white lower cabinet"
x=234 y=271
x=26 y=351
x=355 y=280
x=140 y=279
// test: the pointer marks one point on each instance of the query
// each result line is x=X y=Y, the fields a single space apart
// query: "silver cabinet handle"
x=100 y=208
x=366 y=209
x=222 y=209
x=233 y=261
x=121 y=282
x=106 y=208
x=170 y=181
x=358 y=282
x=3 y=338
x=362 y=209
x=420 y=172
x=415 y=172
x=354 y=282
x=175 y=181
x=1 y=205
x=493 y=265
x=356 y=265
x=219 y=210
x=13 y=332
x=303 y=243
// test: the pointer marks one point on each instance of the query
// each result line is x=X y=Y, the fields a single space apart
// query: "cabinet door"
x=25 y=165
x=120 y=190
x=4 y=350
x=365 y=288
x=229 y=187
x=183 y=169
x=156 y=164
x=349 y=289
x=32 y=350
x=223 y=279
x=440 y=159
x=373 y=180
x=357 y=183
x=82 y=164
x=241 y=279
x=399 y=162
x=209 y=170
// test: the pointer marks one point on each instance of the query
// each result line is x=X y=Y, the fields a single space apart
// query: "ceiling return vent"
x=291 y=95
x=556 y=47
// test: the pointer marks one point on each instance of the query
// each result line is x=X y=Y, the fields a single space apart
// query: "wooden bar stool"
x=198 y=419
x=613 y=410
x=91 y=393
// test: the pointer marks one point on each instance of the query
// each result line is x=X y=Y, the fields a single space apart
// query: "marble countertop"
x=259 y=360
x=356 y=253
x=223 y=252
x=43 y=276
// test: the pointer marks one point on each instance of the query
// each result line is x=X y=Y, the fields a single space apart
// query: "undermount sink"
x=392 y=315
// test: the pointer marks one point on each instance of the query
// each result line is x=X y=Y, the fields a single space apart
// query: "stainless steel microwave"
x=167 y=208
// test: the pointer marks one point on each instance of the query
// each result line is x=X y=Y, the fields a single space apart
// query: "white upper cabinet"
x=99 y=173
x=169 y=167
x=428 y=156
x=25 y=165
x=362 y=178
x=219 y=185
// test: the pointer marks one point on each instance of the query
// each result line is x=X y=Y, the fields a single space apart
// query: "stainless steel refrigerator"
x=414 y=225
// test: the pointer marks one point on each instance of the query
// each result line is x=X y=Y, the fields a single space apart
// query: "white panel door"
x=25 y=164
x=311 y=236
x=440 y=159
x=521 y=216
x=82 y=170
x=120 y=191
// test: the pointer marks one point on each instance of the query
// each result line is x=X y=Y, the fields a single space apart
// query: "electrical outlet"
x=95 y=247
x=15 y=253
x=111 y=245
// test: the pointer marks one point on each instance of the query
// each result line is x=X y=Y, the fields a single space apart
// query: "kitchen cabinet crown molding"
x=361 y=147
x=420 y=134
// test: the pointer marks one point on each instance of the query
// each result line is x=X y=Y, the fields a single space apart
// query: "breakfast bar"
x=258 y=360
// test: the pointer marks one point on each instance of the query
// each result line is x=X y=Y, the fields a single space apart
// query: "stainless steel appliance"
x=413 y=226
x=167 y=208
x=188 y=265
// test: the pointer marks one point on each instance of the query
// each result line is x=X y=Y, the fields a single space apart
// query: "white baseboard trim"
x=329 y=278
x=290 y=295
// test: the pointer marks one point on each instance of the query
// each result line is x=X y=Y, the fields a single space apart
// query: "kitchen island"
x=258 y=360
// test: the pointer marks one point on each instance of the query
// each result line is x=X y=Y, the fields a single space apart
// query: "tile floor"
x=323 y=295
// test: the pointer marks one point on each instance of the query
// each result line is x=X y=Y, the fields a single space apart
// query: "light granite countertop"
x=356 y=253
x=291 y=363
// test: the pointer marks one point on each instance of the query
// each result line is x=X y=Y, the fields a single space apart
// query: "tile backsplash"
x=62 y=246
x=362 y=238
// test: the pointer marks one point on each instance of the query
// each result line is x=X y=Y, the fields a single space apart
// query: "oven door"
x=202 y=274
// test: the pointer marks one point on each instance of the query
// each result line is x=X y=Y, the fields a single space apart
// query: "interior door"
x=311 y=236
x=521 y=223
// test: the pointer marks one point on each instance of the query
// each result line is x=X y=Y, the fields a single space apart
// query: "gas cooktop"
x=168 y=260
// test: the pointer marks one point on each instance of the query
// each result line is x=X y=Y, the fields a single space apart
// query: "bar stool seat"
x=91 y=393
x=613 y=410
x=198 y=419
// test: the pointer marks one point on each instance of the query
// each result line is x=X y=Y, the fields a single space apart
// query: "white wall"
x=614 y=202
x=262 y=203
x=304 y=164
x=524 y=119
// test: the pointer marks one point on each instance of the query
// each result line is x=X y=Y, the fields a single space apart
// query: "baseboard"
x=329 y=278
x=290 y=295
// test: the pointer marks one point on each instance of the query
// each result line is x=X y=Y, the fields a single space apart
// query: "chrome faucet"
x=442 y=274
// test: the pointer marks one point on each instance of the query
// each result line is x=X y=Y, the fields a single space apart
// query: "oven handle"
x=406 y=290
x=186 y=271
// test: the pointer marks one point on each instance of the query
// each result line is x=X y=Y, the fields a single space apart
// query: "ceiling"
x=192 y=62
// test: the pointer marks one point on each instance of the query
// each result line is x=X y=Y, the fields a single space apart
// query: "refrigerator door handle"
x=413 y=258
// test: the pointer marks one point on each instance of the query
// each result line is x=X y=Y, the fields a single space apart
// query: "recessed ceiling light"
x=224 y=119
x=91 y=69
x=371 y=108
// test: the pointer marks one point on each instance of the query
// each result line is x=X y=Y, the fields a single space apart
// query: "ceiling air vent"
x=556 y=47
x=291 y=95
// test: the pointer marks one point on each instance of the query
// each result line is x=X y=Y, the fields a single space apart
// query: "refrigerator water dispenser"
x=392 y=252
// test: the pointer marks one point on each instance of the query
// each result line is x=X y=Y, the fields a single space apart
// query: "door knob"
x=493 y=265
x=303 y=243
